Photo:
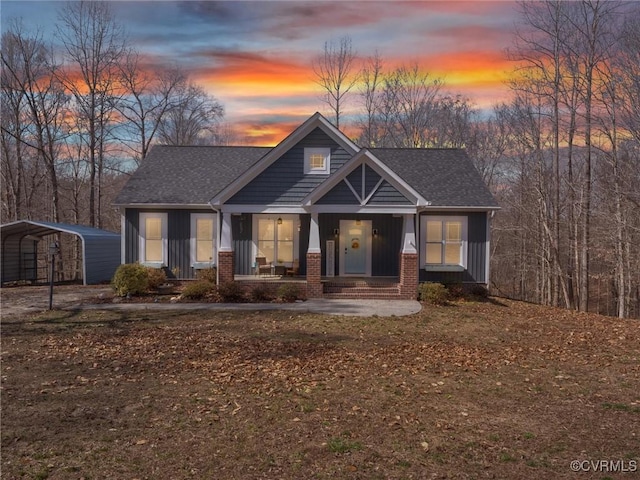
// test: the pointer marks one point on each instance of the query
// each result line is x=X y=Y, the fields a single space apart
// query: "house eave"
x=460 y=208
x=165 y=206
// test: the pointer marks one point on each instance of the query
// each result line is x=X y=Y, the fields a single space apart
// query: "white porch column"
x=226 y=244
x=409 y=235
x=314 y=235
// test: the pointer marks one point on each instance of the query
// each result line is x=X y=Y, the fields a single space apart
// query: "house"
x=316 y=205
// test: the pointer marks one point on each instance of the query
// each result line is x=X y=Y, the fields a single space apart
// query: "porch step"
x=379 y=292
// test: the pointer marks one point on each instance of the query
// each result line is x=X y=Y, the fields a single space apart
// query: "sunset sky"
x=255 y=57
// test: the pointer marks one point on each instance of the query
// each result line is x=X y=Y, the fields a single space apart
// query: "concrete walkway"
x=357 y=308
x=27 y=300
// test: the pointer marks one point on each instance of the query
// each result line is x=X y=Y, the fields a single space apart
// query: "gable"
x=284 y=185
x=364 y=186
x=367 y=182
x=284 y=182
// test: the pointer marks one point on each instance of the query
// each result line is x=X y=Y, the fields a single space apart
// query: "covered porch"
x=339 y=255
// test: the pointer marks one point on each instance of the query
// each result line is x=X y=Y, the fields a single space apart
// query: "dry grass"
x=473 y=390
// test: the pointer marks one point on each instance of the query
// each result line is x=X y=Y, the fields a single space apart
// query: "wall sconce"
x=279 y=221
x=336 y=232
x=375 y=232
x=358 y=222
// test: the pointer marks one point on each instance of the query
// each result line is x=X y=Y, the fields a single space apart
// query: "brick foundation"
x=226 y=266
x=314 y=272
x=408 y=285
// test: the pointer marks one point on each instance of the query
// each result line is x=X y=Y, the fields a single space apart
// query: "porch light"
x=375 y=233
x=279 y=221
x=358 y=223
x=336 y=232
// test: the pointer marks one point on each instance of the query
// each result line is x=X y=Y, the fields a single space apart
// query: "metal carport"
x=19 y=240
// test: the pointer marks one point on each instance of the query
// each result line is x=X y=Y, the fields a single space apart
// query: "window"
x=445 y=241
x=203 y=243
x=317 y=161
x=276 y=239
x=153 y=239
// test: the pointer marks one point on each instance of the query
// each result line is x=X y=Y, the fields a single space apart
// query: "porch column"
x=226 y=266
x=409 y=260
x=314 y=260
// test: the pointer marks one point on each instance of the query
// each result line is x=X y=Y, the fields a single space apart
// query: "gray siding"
x=178 y=242
x=341 y=194
x=386 y=246
x=388 y=195
x=131 y=235
x=476 y=254
x=284 y=182
x=241 y=229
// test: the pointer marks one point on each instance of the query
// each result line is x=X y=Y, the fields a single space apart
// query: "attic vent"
x=317 y=161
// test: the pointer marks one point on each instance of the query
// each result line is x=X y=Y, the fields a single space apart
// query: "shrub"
x=479 y=292
x=260 y=293
x=288 y=292
x=230 y=292
x=130 y=279
x=455 y=291
x=434 y=293
x=198 y=290
x=209 y=274
x=156 y=277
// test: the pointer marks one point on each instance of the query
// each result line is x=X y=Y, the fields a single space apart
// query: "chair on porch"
x=262 y=267
x=295 y=268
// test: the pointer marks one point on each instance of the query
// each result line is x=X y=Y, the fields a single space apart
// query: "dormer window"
x=317 y=161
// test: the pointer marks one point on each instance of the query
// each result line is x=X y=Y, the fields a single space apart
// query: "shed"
x=19 y=241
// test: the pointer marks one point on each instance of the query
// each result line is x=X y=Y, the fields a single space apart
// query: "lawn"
x=498 y=389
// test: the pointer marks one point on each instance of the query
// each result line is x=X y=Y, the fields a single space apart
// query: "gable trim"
x=315 y=121
x=365 y=157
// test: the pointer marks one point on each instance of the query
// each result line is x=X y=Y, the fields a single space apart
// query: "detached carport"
x=20 y=242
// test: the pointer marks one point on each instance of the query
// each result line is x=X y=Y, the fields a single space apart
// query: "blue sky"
x=255 y=57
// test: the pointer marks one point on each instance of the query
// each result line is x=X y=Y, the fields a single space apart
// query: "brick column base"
x=409 y=275
x=314 y=271
x=226 y=267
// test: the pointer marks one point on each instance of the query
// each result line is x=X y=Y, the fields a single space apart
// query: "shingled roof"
x=445 y=177
x=192 y=175
x=186 y=175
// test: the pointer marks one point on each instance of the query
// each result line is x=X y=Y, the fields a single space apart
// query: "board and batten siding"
x=385 y=255
x=284 y=181
x=476 y=253
x=178 y=241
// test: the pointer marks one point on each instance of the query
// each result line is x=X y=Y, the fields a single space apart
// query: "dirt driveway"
x=17 y=301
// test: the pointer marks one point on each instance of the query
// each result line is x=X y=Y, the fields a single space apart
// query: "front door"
x=355 y=248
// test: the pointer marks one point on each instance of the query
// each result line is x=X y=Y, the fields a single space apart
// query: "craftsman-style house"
x=316 y=207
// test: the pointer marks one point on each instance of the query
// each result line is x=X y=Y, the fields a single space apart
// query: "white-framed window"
x=153 y=239
x=276 y=238
x=203 y=240
x=317 y=161
x=444 y=244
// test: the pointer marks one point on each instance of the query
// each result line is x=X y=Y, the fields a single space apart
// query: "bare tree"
x=94 y=44
x=148 y=96
x=409 y=106
x=334 y=71
x=192 y=119
x=29 y=79
x=372 y=78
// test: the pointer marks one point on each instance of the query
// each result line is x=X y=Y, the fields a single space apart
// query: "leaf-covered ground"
x=473 y=390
